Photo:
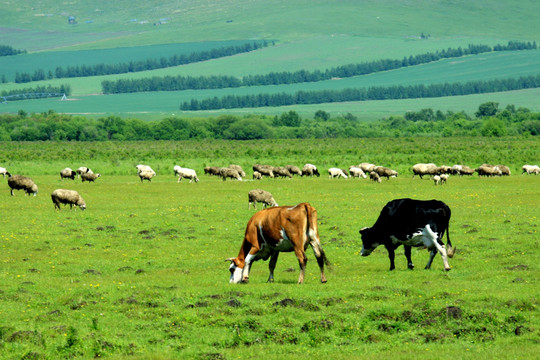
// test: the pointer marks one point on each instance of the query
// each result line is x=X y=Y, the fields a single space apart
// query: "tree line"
x=35 y=92
x=135 y=66
x=362 y=94
x=176 y=83
x=6 y=50
x=489 y=121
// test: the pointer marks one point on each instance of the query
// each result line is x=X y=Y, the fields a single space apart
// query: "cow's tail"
x=450 y=251
x=313 y=236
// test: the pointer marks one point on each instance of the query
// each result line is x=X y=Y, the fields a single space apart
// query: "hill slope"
x=309 y=35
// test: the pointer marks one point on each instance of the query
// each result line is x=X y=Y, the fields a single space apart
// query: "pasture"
x=141 y=273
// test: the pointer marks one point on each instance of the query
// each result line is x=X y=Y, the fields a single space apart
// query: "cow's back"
x=405 y=216
x=270 y=222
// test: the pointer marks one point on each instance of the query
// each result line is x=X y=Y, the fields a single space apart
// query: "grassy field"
x=140 y=273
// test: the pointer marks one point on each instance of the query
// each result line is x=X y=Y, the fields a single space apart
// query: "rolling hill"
x=307 y=35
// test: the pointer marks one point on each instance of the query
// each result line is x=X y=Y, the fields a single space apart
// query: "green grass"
x=141 y=274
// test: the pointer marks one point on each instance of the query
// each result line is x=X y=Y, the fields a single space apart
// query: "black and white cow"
x=410 y=223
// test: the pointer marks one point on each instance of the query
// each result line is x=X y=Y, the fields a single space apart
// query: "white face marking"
x=236 y=274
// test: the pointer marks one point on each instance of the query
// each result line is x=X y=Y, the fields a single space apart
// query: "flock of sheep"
x=440 y=175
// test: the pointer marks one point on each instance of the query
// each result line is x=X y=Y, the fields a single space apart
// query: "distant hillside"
x=308 y=35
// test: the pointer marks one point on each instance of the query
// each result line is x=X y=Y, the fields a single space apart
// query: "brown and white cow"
x=274 y=230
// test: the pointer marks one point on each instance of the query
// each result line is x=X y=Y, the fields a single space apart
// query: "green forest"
x=489 y=120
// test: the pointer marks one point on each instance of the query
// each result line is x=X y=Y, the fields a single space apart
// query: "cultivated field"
x=309 y=35
x=141 y=273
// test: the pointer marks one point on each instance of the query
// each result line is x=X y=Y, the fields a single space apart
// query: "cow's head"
x=236 y=272
x=369 y=241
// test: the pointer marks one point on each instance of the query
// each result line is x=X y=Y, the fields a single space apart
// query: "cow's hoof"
x=410 y=266
x=448 y=269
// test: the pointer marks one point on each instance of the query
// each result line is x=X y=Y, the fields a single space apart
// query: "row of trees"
x=35 y=92
x=175 y=83
x=135 y=66
x=6 y=50
x=52 y=126
x=362 y=94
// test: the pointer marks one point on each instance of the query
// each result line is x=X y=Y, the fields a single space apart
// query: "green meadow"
x=141 y=273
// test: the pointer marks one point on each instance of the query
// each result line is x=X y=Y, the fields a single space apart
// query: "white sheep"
x=185 y=173
x=4 y=172
x=83 y=170
x=146 y=175
x=440 y=179
x=373 y=176
x=141 y=168
x=336 y=172
x=357 y=172
x=71 y=197
x=530 y=169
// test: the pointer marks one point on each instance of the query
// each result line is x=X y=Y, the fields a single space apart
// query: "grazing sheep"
x=357 y=172
x=68 y=173
x=505 y=170
x=310 y=170
x=530 y=169
x=440 y=179
x=366 y=167
x=229 y=173
x=141 y=168
x=443 y=169
x=336 y=173
x=90 y=177
x=257 y=175
x=212 y=170
x=444 y=178
x=83 y=170
x=465 y=170
x=19 y=182
x=265 y=170
x=385 y=172
x=294 y=170
x=261 y=196
x=185 y=173
x=424 y=169
x=461 y=170
x=146 y=175
x=4 y=172
x=373 y=176
x=239 y=169
x=281 y=171
x=488 y=170
x=71 y=197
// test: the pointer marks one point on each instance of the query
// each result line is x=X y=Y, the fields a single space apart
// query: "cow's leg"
x=272 y=266
x=391 y=256
x=302 y=260
x=320 y=256
x=245 y=274
x=410 y=264
x=438 y=247
x=432 y=254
